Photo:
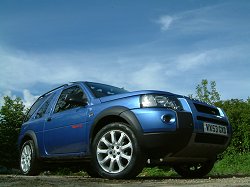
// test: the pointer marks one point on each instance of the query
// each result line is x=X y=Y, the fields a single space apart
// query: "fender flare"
x=31 y=134
x=122 y=112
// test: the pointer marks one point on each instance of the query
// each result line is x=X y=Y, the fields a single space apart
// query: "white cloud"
x=192 y=21
x=136 y=69
x=191 y=61
x=28 y=98
x=148 y=76
x=165 y=22
x=216 y=18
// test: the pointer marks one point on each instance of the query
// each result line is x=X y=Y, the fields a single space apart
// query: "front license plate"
x=215 y=129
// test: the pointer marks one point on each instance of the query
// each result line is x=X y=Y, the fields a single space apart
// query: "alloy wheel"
x=26 y=157
x=114 y=151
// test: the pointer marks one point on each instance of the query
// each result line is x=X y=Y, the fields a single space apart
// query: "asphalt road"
x=75 y=181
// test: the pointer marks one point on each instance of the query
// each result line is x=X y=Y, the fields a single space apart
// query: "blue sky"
x=159 y=44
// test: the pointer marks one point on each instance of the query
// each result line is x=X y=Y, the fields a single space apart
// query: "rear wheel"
x=194 y=170
x=116 y=152
x=28 y=161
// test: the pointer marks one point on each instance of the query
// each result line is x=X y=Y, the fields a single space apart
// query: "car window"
x=41 y=112
x=62 y=105
x=35 y=106
x=102 y=90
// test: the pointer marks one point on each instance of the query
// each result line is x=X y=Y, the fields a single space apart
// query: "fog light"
x=167 y=118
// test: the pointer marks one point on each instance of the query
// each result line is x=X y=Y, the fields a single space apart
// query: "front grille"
x=210 y=138
x=206 y=109
x=211 y=120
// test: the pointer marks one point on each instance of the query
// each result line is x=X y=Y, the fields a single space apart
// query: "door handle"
x=49 y=119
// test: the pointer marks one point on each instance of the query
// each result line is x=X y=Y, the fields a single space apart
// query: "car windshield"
x=102 y=90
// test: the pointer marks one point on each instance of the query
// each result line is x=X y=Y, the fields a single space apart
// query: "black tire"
x=194 y=170
x=91 y=171
x=116 y=153
x=28 y=161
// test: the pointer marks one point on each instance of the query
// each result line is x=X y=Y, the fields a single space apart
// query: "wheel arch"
x=30 y=135
x=115 y=114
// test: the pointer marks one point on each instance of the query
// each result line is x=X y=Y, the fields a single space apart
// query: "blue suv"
x=114 y=133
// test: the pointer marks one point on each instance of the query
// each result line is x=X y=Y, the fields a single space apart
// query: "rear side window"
x=62 y=105
x=35 y=106
x=42 y=111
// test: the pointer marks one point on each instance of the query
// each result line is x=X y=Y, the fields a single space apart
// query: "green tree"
x=205 y=94
x=11 y=118
x=238 y=112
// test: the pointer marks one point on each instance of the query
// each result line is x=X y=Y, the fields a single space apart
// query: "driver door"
x=64 y=130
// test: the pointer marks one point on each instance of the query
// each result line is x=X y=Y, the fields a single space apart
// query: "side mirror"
x=76 y=100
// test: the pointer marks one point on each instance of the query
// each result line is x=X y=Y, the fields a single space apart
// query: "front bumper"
x=185 y=143
x=199 y=148
x=173 y=147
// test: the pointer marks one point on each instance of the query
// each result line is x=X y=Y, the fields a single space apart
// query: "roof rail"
x=53 y=90
x=76 y=82
x=42 y=97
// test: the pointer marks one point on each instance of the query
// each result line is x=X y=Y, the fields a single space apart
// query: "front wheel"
x=116 y=152
x=28 y=161
x=194 y=170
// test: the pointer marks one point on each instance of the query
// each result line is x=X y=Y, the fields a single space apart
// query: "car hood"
x=130 y=94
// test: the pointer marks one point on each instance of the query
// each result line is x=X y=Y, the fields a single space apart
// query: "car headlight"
x=160 y=101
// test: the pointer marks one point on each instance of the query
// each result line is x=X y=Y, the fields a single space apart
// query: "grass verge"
x=237 y=164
